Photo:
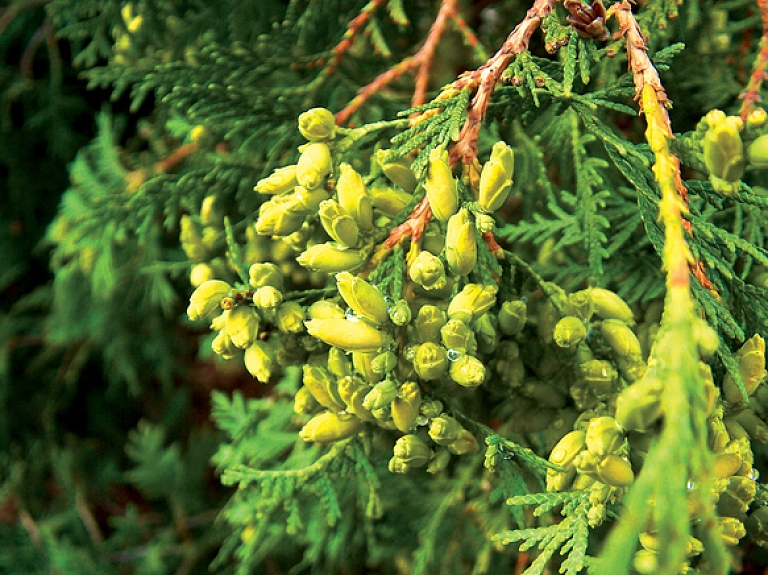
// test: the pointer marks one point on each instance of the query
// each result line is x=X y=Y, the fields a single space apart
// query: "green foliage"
x=570 y=416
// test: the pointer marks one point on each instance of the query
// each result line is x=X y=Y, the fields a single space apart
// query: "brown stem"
x=353 y=30
x=751 y=95
x=421 y=62
x=91 y=525
x=485 y=79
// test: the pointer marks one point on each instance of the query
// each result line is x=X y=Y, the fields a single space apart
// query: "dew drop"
x=690 y=485
x=422 y=420
x=349 y=314
x=524 y=299
x=454 y=354
x=754 y=475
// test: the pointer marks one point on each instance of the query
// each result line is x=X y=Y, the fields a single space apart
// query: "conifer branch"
x=421 y=63
x=484 y=80
x=353 y=30
x=674 y=203
x=751 y=95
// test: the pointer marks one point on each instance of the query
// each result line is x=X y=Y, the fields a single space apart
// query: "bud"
x=338 y=364
x=638 y=406
x=620 y=338
x=265 y=274
x=382 y=395
x=753 y=425
x=309 y=200
x=191 y=238
x=428 y=324
x=757 y=524
x=304 y=403
x=405 y=407
x=570 y=332
x=200 y=273
x=440 y=461
x=496 y=178
x=204 y=301
x=460 y=243
x=365 y=300
x=351 y=194
x=267 y=297
x=615 y=471
x=512 y=317
x=412 y=450
x=431 y=408
x=442 y=189
x=603 y=436
x=280 y=216
x=290 y=317
x=485 y=328
x=472 y=302
x=725 y=465
x=400 y=313
x=399 y=171
x=731 y=530
x=210 y=214
x=315 y=163
x=384 y=363
x=724 y=152
x=242 y=325
x=397 y=466
x=758 y=152
x=484 y=223
x=329 y=259
x=222 y=345
x=464 y=444
x=456 y=335
x=600 y=375
x=325 y=309
x=646 y=562
x=317 y=124
x=431 y=361
x=363 y=363
x=608 y=305
x=323 y=387
x=706 y=338
x=467 y=371
x=259 y=361
x=329 y=427
x=751 y=358
x=389 y=201
x=444 y=429
x=580 y=305
x=347 y=335
x=427 y=270
x=352 y=391
x=338 y=224
x=567 y=448
x=278 y=182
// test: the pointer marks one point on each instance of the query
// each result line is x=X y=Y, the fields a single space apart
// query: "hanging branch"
x=752 y=94
x=421 y=62
x=680 y=452
x=674 y=203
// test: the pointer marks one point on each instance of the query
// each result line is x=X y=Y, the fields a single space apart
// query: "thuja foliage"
x=491 y=281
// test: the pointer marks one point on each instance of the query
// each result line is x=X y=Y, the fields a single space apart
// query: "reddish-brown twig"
x=353 y=30
x=421 y=63
x=484 y=80
x=414 y=226
x=752 y=94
